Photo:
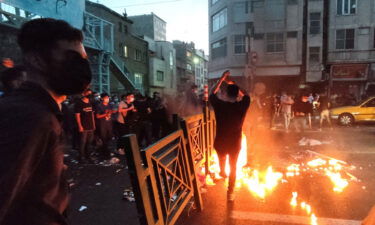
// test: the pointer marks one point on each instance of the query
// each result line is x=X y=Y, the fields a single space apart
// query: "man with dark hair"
x=84 y=114
x=303 y=111
x=103 y=114
x=230 y=114
x=33 y=189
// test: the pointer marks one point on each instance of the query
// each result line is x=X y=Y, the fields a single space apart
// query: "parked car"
x=348 y=115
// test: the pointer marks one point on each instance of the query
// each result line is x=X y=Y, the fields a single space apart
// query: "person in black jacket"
x=230 y=115
x=33 y=189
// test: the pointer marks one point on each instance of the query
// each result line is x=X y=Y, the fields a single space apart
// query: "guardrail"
x=164 y=175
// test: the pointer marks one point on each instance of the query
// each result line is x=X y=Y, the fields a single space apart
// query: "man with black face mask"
x=33 y=189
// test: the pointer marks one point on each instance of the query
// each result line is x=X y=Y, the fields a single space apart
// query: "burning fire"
x=304 y=207
x=262 y=183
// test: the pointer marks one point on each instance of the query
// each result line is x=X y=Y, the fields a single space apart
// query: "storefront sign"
x=349 y=71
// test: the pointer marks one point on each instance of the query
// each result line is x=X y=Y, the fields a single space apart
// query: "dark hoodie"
x=33 y=190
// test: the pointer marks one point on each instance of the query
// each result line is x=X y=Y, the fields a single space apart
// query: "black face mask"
x=70 y=76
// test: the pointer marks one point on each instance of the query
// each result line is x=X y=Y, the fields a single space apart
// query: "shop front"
x=349 y=80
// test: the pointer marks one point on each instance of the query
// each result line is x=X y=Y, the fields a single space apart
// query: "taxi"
x=348 y=115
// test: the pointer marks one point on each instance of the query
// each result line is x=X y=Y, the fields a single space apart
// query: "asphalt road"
x=98 y=189
x=354 y=145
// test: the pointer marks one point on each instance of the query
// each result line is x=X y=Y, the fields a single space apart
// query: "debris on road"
x=128 y=195
x=114 y=160
x=82 y=208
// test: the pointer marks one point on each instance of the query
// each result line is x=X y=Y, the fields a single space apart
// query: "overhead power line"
x=150 y=3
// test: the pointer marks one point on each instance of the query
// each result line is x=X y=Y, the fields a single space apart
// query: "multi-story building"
x=129 y=61
x=192 y=65
x=351 y=47
x=229 y=27
x=150 y=25
x=184 y=63
x=162 y=67
x=200 y=62
x=327 y=45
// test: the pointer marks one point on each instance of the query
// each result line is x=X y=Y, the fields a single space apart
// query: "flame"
x=262 y=183
x=313 y=219
x=339 y=183
x=293 y=202
x=317 y=162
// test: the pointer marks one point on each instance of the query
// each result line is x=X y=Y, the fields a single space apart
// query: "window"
x=292 y=2
x=219 y=20
x=241 y=11
x=138 y=81
x=374 y=38
x=370 y=103
x=188 y=54
x=345 y=39
x=171 y=61
x=239 y=44
x=159 y=75
x=213 y=2
x=125 y=29
x=219 y=48
x=188 y=66
x=125 y=51
x=258 y=36
x=292 y=34
x=314 y=23
x=119 y=27
x=275 y=42
x=314 y=54
x=346 y=7
x=138 y=55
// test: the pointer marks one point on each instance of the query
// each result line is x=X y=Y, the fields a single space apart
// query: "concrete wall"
x=150 y=25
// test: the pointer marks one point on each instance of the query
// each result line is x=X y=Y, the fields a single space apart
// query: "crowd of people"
x=94 y=122
x=295 y=112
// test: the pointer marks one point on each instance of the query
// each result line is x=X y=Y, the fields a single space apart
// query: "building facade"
x=129 y=60
x=162 y=74
x=229 y=27
x=151 y=26
x=322 y=44
x=351 y=47
x=200 y=62
x=192 y=66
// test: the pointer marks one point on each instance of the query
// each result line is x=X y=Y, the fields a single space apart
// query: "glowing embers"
x=261 y=183
x=305 y=207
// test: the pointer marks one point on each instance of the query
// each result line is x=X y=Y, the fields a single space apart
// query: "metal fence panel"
x=163 y=184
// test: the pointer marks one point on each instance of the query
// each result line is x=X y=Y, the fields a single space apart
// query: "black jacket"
x=33 y=190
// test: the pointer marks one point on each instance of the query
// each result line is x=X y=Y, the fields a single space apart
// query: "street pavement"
x=97 y=189
x=354 y=145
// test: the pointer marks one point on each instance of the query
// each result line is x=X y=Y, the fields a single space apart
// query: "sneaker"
x=230 y=196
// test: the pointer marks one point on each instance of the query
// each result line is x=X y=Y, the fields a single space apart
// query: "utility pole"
x=304 y=41
x=249 y=74
x=325 y=44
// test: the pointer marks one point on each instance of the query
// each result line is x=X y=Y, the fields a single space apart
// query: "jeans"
x=85 y=140
x=287 y=118
x=105 y=135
